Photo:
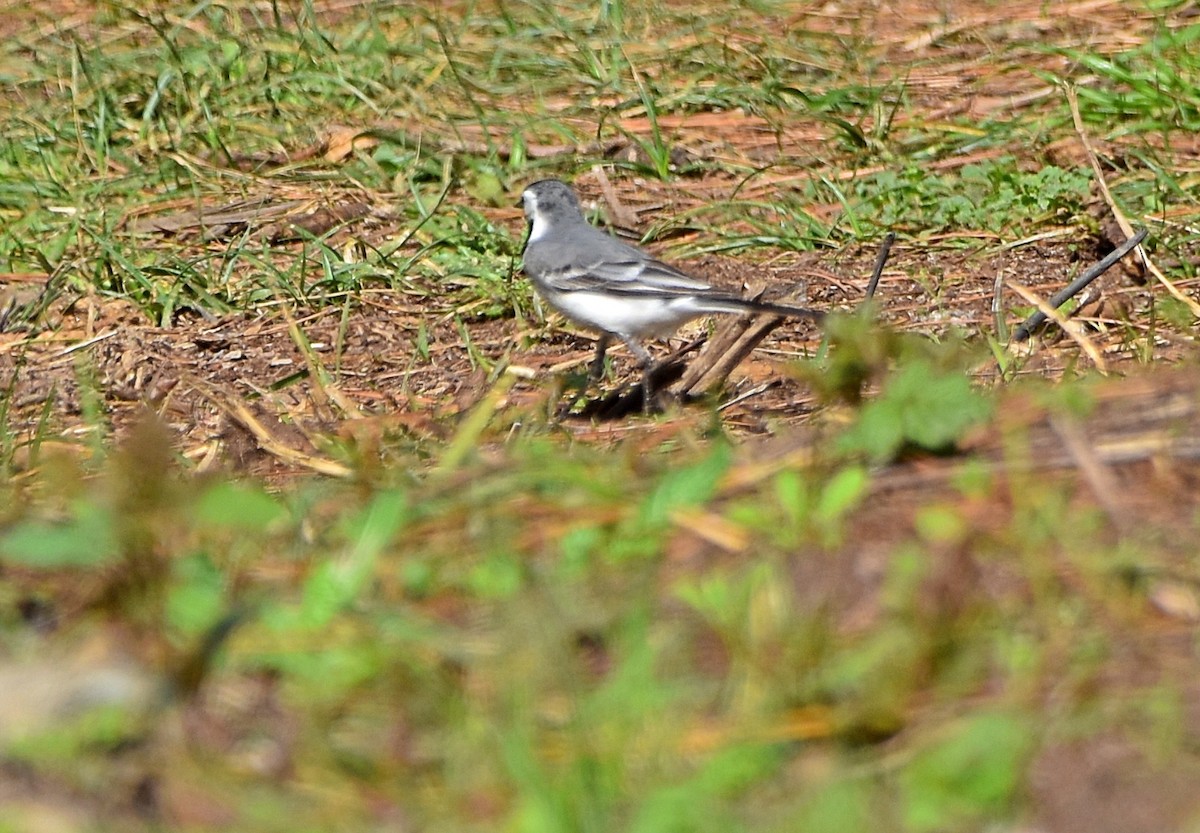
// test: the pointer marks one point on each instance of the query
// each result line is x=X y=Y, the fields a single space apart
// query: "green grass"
x=492 y=624
x=155 y=108
x=551 y=676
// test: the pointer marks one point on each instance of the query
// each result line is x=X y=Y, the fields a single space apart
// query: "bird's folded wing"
x=624 y=277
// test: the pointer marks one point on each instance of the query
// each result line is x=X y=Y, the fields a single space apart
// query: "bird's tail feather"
x=746 y=305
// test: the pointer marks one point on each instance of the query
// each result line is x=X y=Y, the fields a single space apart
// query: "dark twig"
x=734 y=340
x=1078 y=285
x=885 y=248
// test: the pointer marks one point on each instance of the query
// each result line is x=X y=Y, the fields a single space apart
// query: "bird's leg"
x=596 y=368
x=595 y=374
x=647 y=364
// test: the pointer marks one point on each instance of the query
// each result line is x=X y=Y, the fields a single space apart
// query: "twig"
x=1122 y=221
x=1076 y=286
x=736 y=340
x=266 y=440
x=1077 y=117
x=83 y=345
x=885 y=248
x=1071 y=328
x=620 y=215
x=742 y=397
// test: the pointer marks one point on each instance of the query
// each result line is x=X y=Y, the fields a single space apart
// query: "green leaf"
x=699 y=803
x=86 y=539
x=197 y=599
x=840 y=807
x=972 y=774
x=920 y=406
x=498 y=576
x=238 y=507
x=336 y=583
x=842 y=493
x=688 y=486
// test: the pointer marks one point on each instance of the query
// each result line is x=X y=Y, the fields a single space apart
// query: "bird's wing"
x=586 y=259
x=631 y=275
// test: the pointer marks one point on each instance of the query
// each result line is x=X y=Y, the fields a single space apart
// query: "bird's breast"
x=631 y=315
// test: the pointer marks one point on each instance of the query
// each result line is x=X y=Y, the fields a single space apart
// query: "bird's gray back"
x=582 y=257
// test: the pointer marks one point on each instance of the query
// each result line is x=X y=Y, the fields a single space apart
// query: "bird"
x=613 y=288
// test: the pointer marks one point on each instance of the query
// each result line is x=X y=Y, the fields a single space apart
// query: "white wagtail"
x=616 y=289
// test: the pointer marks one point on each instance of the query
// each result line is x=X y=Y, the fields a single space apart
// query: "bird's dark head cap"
x=550 y=197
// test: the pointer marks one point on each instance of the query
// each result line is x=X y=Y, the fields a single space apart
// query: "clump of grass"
x=435 y=651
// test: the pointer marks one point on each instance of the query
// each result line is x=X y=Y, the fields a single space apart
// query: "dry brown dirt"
x=240 y=393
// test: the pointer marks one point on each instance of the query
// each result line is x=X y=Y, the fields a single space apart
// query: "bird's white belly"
x=640 y=317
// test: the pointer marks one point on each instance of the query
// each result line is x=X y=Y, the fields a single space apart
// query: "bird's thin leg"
x=595 y=374
x=596 y=368
x=647 y=363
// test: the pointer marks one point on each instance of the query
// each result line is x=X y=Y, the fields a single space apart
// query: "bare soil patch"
x=376 y=380
x=364 y=348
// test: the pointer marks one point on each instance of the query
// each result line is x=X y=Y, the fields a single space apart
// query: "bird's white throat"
x=540 y=225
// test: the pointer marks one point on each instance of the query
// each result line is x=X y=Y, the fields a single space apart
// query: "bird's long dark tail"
x=745 y=305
